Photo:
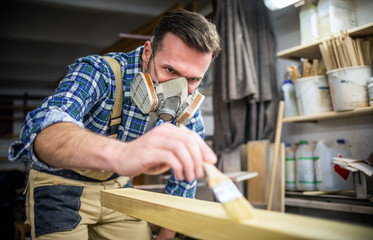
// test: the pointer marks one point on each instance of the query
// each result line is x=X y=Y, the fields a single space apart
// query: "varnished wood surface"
x=208 y=220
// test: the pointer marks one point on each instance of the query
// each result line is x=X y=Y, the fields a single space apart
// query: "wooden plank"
x=241 y=175
x=280 y=116
x=300 y=51
x=281 y=187
x=350 y=50
x=359 y=51
x=208 y=220
x=332 y=55
x=278 y=202
x=336 y=53
x=330 y=115
x=257 y=162
x=325 y=57
x=127 y=44
x=340 y=54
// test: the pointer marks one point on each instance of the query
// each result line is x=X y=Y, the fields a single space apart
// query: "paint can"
x=348 y=87
x=313 y=95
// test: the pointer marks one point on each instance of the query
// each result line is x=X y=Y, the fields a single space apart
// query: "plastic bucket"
x=313 y=95
x=348 y=87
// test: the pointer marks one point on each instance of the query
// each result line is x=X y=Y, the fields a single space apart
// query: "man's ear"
x=147 y=52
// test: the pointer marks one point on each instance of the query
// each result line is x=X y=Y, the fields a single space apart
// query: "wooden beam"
x=127 y=44
x=280 y=116
x=257 y=162
x=208 y=220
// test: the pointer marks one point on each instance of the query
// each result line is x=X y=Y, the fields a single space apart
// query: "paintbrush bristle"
x=239 y=209
x=226 y=192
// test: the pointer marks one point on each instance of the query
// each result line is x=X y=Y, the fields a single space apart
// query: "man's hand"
x=165 y=233
x=164 y=147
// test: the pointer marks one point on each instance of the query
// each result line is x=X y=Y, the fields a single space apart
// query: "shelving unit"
x=328 y=206
x=331 y=204
x=311 y=51
x=344 y=204
x=330 y=115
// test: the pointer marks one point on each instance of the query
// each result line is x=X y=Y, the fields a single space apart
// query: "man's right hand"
x=162 y=148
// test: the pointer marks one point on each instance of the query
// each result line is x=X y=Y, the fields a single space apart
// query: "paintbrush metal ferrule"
x=226 y=191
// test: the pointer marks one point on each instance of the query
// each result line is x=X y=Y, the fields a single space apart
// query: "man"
x=68 y=131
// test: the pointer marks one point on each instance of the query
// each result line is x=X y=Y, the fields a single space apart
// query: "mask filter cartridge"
x=168 y=99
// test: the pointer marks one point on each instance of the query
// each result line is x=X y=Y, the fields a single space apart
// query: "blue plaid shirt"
x=85 y=97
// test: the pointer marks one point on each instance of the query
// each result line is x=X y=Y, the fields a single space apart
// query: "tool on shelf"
x=342 y=51
x=307 y=69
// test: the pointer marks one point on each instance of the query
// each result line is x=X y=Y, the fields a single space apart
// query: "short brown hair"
x=192 y=28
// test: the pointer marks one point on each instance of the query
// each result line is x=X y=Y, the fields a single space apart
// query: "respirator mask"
x=169 y=100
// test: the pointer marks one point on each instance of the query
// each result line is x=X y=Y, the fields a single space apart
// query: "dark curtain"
x=244 y=77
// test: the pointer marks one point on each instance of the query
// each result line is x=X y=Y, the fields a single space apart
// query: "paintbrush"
x=226 y=192
x=235 y=204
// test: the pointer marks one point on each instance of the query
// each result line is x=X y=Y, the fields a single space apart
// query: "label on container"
x=341 y=171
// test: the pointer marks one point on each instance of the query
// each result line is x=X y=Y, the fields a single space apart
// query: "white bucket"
x=348 y=87
x=313 y=95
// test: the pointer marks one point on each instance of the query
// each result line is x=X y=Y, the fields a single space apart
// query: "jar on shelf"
x=309 y=26
x=288 y=90
x=335 y=15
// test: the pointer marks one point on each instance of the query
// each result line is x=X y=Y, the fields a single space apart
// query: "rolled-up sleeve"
x=74 y=97
x=185 y=188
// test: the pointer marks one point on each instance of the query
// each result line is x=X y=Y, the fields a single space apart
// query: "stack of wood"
x=307 y=69
x=341 y=51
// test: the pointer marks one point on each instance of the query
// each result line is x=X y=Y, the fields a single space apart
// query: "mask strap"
x=155 y=72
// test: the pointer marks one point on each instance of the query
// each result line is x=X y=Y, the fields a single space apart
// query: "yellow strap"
x=115 y=118
x=116 y=112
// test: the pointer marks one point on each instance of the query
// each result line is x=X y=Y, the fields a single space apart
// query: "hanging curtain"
x=244 y=75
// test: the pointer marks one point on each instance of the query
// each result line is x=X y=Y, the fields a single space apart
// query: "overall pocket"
x=56 y=208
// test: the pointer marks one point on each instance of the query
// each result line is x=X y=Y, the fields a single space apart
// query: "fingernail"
x=212 y=158
x=180 y=177
x=200 y=172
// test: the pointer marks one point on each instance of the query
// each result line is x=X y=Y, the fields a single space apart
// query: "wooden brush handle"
x=214 y=176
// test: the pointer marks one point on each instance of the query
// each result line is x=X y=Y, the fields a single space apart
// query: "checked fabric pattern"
x=85 y=97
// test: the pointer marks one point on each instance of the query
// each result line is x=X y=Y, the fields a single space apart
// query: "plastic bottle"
x=291 y=108
x=331 y=177
x=309 y=26
x=335 y=15
x=290 y=167
x=305 y=174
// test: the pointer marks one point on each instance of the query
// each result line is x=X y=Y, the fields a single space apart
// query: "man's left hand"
x=165 y=233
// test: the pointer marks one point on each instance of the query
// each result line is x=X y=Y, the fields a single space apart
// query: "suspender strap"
x=115 y=120
x=116 y=113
